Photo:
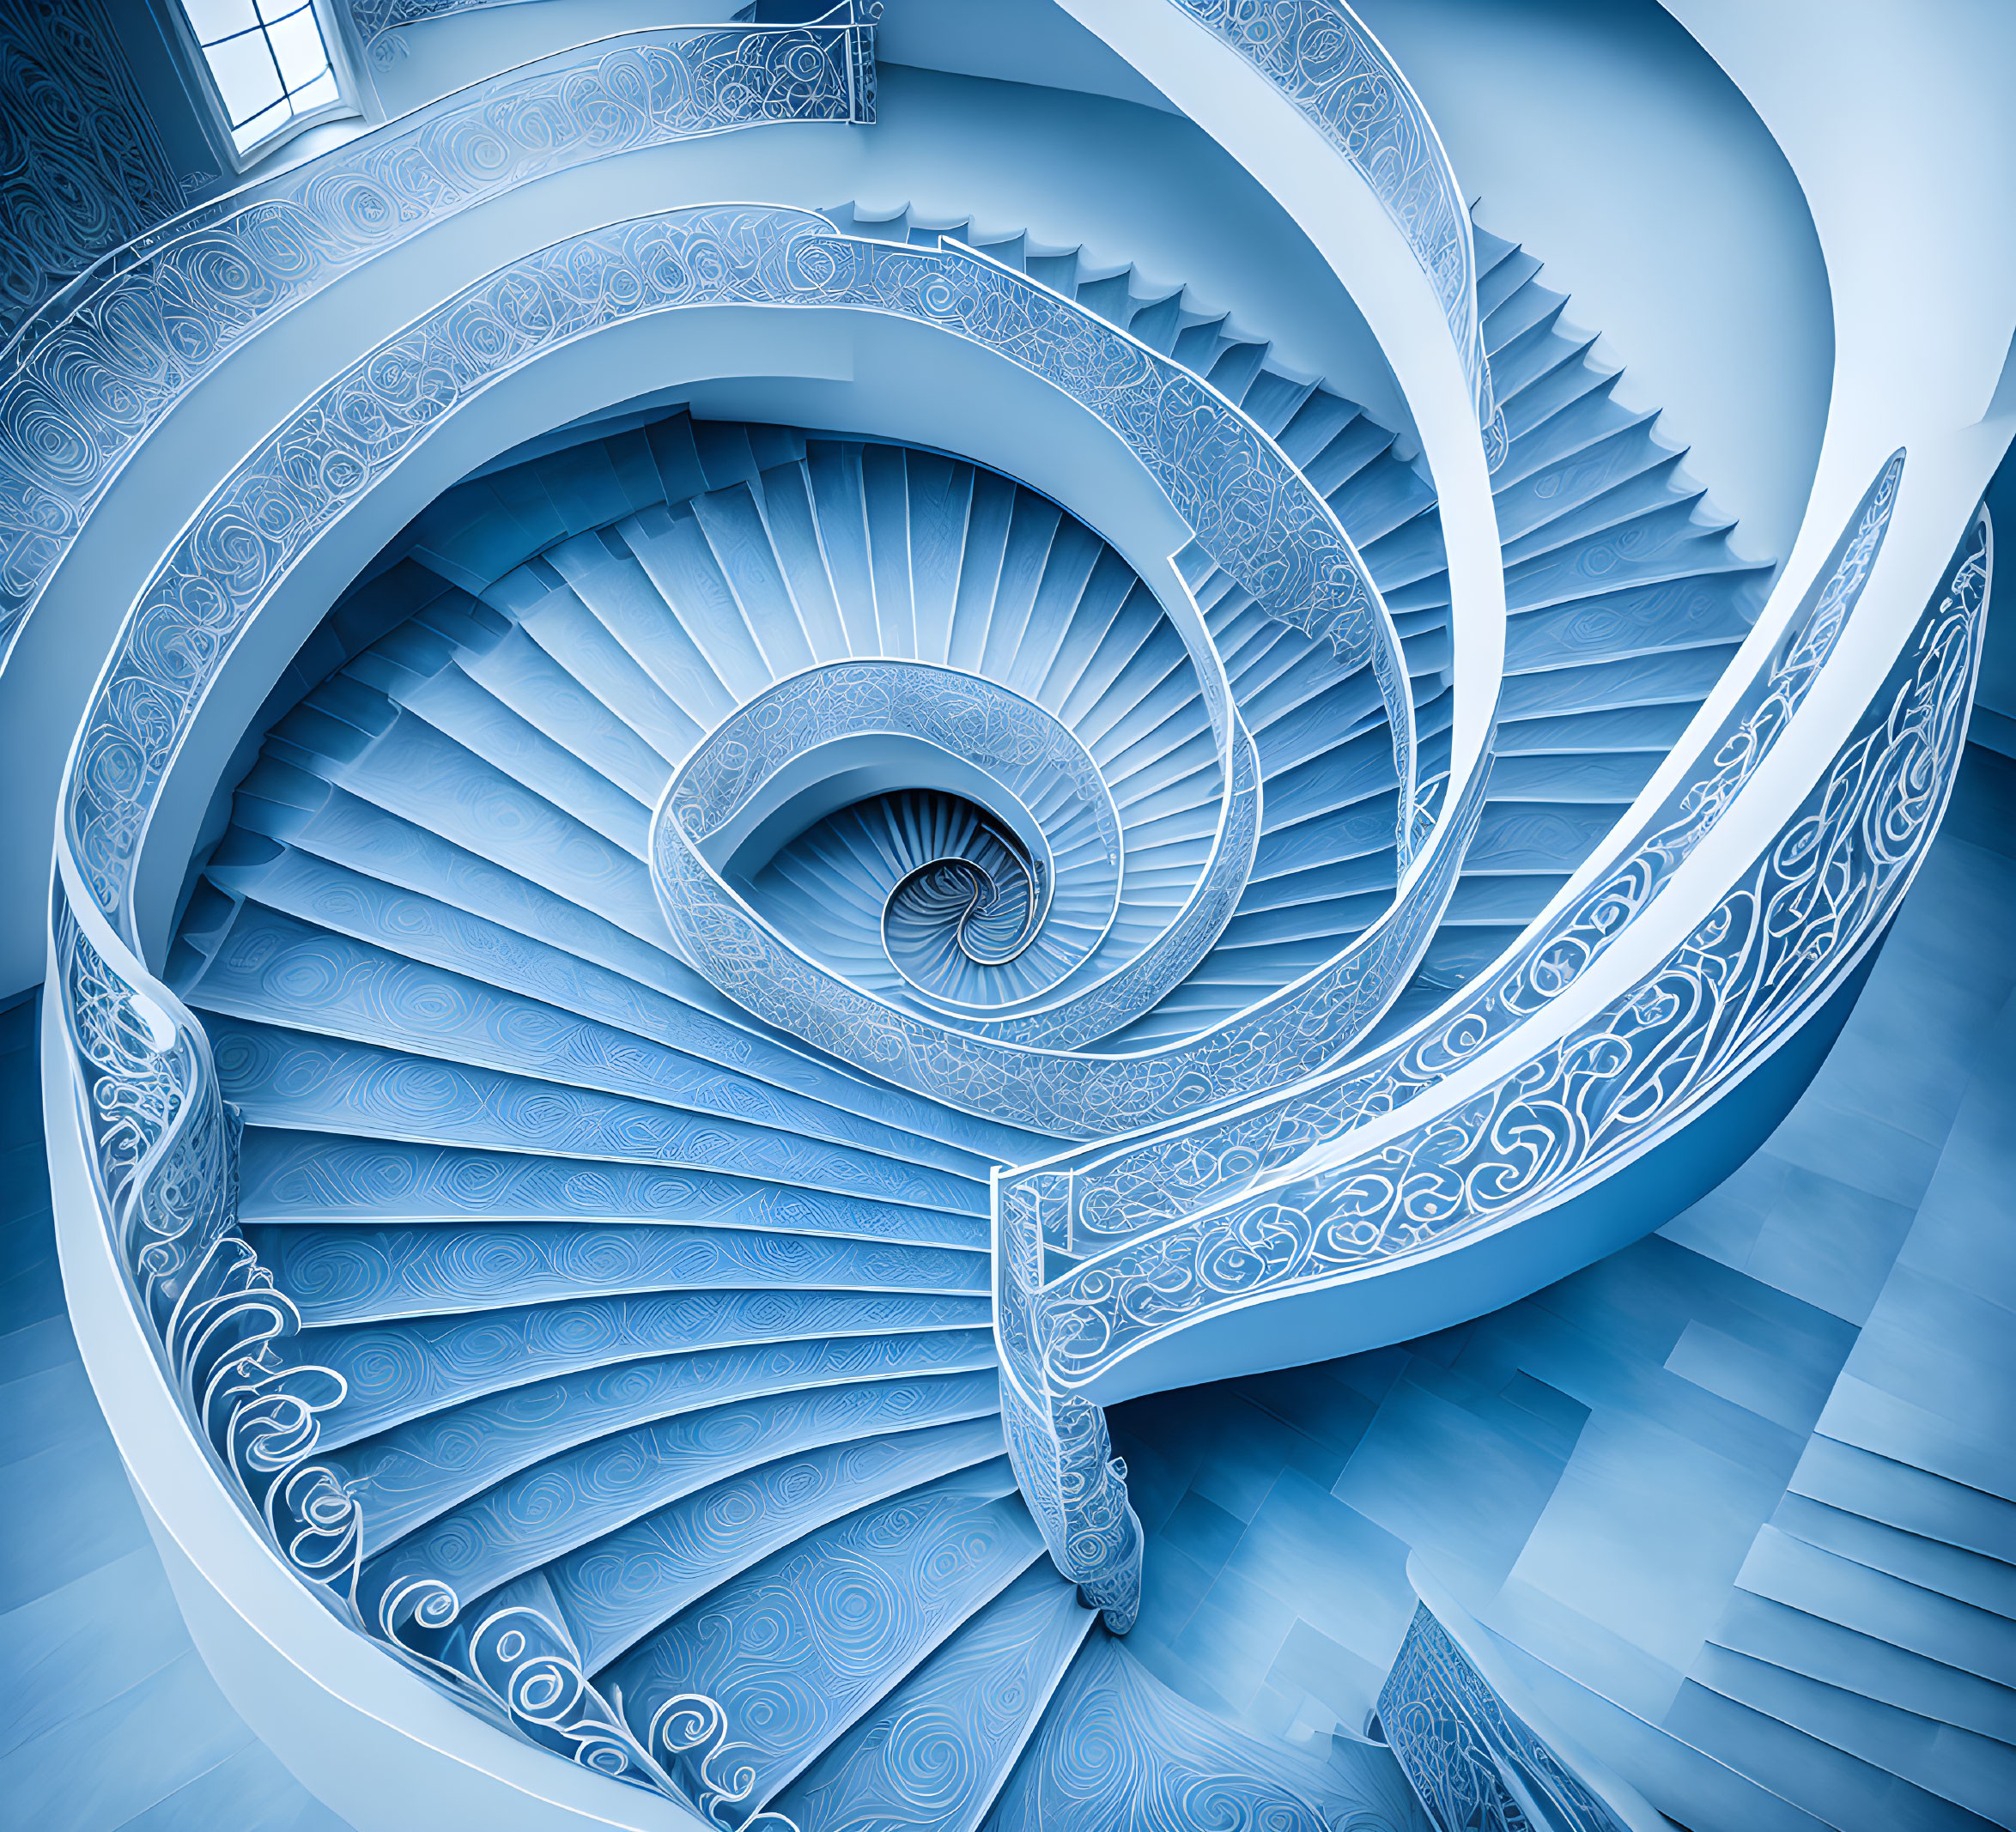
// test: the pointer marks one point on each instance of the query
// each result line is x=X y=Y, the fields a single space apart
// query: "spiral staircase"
x=849 y=1027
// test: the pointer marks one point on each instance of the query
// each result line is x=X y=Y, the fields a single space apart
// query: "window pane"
x=297 y=43
x=246 y=76
x=317 y=94
x=269 y=60
x=248 y=132
x=216 y=19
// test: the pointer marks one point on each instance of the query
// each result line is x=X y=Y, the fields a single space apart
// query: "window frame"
x=346 y=104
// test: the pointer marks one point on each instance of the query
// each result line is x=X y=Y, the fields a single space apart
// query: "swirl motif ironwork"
x=1322 y=55
x=164 y=1150
x=1029 y=753
x=516 y=1668
x=1777 y=945
x=81 y=171
x=1115 y=1193
x=86 y=382
x=694 y=1727
x=1457 y=1741
x=164 y=1146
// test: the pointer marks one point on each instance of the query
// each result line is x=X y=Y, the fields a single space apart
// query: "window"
x=270 y=65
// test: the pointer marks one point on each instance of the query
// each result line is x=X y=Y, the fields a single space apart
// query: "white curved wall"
x=1603 y=138
x=1033 y=41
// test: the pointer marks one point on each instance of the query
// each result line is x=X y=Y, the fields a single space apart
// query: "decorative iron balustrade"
x=1028 y=754
x=1782 y=940
x=1322 y=55
x=1113 y=1192
x=163 y=1145
x=84 y=383
x=1473 y=1762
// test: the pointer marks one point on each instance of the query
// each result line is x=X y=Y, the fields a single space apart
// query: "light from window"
x=268 y=59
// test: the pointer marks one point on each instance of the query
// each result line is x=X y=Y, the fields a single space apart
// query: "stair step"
x=982 y=1693
x=791 y=1671
x=625 y=1585
x=507 y=1528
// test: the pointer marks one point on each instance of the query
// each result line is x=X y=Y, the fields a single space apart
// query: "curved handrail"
x=1008 y=737
x=1249 y=506
x=162 y=1145
x=85 y=382
x=1121 y=1188
x=1774 y=949
x=1325 y=60
x=970 y=1061
x=1603 y=1091
x=978 y=900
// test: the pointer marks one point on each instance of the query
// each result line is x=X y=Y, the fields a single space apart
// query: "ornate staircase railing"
x=1326 y=61
x=1103 y=1254
x=85 y=382
x=1121 y=1189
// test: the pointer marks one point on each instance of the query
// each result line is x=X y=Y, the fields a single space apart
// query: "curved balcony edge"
x=253 y=255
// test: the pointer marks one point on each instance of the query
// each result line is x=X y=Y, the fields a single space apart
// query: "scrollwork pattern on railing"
x=1076 y=1488
x=1457 y=1739
x=82 y=387
x=1321 y=57
x=164 y=1149
x=1780 y=942
x=1115 y=1193
x=513 y=1666
x=1011 y=740
x=694 y=1728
